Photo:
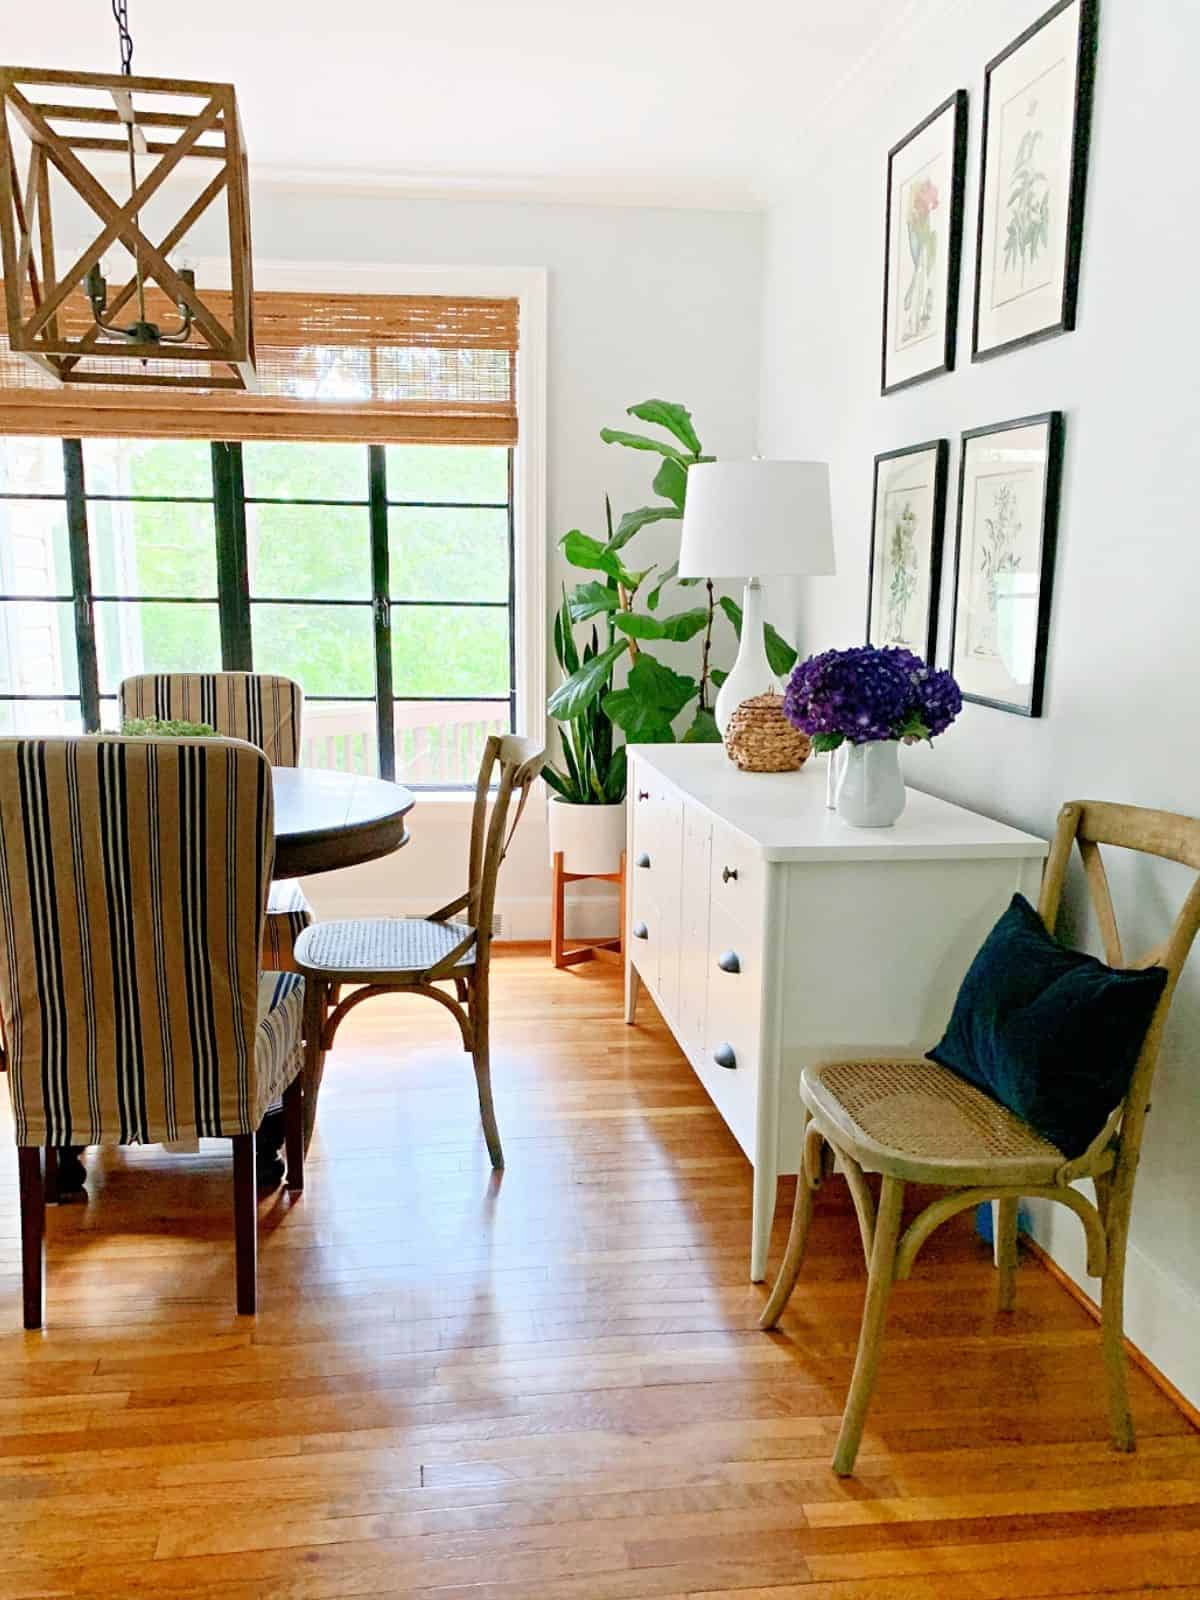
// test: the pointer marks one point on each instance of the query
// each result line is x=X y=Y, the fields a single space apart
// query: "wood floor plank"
x=466 y=1386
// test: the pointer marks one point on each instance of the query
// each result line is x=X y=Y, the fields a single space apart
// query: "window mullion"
x=81 y=584
x=233 y=575
x=382 y=609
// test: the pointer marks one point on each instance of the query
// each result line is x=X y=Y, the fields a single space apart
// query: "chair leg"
x=316 y=1004
x=793 y=1258
x=481 y=1057
x=1005 y=1228
x=870 y=1339
x=245 y=1222
x=1112 y=1329
x=293 y=1124
x=33 y=1233
x=50 y=1182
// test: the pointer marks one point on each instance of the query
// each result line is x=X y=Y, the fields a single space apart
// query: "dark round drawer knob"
x=724 y=1057
x=729 y=961
x=640 y=931
x=643 y=860
x=727 y=873
x=643 y=794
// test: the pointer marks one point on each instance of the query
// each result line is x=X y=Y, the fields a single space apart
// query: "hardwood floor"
x=548 y=1384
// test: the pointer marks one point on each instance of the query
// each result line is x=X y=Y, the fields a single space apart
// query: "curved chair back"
x=519 y=762
x=261 y=709
x=133 y=886
x=1089 y=824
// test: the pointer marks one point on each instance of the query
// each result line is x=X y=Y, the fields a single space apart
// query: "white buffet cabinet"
x=771 y=934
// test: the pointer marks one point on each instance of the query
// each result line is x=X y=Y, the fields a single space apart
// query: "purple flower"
x=864 y=694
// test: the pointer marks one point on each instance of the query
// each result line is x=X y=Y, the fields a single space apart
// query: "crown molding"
x=690 y=194
x=873 y=69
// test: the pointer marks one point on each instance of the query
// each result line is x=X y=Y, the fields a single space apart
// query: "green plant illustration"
x=997 y=559
x=1028 y=204
x=902 y=560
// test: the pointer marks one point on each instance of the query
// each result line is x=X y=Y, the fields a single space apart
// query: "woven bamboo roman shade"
x=395 y=369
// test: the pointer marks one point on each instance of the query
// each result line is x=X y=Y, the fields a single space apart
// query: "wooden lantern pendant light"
x=155 y=329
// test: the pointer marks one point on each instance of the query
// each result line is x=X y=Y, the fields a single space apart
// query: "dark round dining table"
x=326 y=820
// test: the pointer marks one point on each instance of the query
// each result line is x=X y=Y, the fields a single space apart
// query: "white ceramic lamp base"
x=751 y=673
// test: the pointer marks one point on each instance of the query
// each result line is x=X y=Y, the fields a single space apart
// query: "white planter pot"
x=591 y=838
x=870 y=791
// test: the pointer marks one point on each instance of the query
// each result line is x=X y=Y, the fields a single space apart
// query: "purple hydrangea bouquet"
x=870 y=700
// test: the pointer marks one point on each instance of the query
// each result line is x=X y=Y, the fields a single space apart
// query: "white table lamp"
x=754 y=520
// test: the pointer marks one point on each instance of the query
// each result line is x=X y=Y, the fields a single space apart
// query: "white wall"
x=1120 y=707
x=643 y=301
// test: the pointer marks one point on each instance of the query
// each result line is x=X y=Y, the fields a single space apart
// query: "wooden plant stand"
x=599 y=949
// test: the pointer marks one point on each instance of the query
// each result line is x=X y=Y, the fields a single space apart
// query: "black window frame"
x=235 y=601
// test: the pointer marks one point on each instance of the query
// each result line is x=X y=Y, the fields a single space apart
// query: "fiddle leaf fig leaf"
x=703 y=729
x=676 y=419
x=581 y=550
x=633 y=521
x=678 y=629
x=670 y=481
x=664 y=578
x=590 y=599
x=650 y=701
x=641 y=441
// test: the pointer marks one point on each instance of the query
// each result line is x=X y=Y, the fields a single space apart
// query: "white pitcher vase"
x=870 y=790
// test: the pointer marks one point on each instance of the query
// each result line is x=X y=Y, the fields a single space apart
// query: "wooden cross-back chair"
x=414 y=955
x=912 y=1121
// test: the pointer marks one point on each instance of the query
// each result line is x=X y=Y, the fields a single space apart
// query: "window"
x=380 y=577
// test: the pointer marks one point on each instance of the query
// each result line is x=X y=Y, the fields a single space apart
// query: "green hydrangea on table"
x=165 y=728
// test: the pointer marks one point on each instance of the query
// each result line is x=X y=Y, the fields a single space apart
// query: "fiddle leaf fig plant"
x=632 y=603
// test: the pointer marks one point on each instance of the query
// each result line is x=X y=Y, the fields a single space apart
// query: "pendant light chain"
x=120 y=11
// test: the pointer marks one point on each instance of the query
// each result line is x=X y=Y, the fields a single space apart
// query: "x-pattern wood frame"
x=35 y=328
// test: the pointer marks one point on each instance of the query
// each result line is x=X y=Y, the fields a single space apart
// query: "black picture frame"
x=1054 y=424
x=958 y=189
x=937 y=532
x=1085 y=74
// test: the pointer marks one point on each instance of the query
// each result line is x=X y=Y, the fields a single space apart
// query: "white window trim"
x=528 y=286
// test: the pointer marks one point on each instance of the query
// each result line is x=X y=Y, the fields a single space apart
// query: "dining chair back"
x=383 y=955
x=914 y=1121
x=262 y=709
x=258 y=707
x=133 y=885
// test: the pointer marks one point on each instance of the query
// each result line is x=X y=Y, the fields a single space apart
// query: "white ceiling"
x=688 y=101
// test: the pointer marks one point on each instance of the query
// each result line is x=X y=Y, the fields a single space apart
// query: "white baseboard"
x=1161 y=1312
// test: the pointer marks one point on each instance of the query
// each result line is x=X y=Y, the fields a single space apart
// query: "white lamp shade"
x=757 y=519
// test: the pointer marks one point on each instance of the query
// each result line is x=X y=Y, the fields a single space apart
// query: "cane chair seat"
x=917 y=1120
x=380 y=949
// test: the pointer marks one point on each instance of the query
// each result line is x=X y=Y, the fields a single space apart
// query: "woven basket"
x=760 y=738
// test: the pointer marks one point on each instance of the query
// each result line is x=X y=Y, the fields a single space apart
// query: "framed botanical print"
x=1008 y=486
x=923 y=246
x=908 y=515
x=1037 y=99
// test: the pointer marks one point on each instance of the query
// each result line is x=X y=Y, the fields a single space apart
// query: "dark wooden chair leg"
x=33 y=1233
x=51 y=1178
x=293 y=1122
x=245 y=1222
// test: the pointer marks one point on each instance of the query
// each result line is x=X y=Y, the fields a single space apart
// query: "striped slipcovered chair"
x=133 y=884
x=263 y=710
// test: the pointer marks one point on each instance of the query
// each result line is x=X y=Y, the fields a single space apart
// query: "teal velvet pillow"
x=1051 y=1033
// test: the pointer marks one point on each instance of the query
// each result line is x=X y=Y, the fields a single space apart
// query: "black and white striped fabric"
x=264 y=710
x=133 y=886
